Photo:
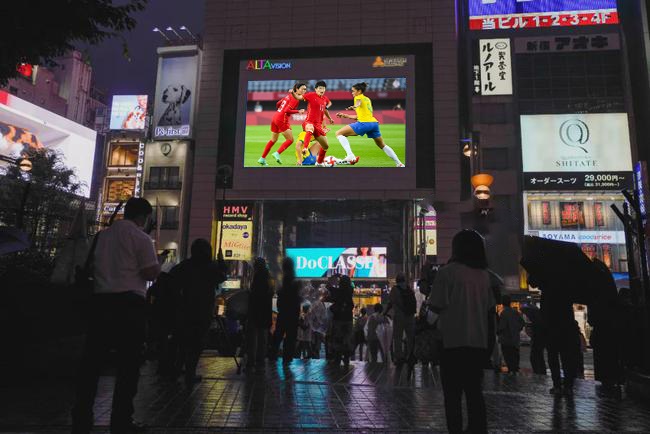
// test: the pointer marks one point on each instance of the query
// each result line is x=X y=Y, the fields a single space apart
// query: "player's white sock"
x=389 y=151
x=346 y=146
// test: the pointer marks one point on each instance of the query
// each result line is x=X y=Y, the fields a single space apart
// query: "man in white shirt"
x=124 y=261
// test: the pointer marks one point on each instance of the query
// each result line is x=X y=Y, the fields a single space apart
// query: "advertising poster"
x=546 y=213
x=531 y=14
x=25 y=127
x=129 y=112
x=175 y=94
x=237 y=244
x=599 y=215
x=576 y=152
x=572 y=215
x=356 y=262
x=425 y=231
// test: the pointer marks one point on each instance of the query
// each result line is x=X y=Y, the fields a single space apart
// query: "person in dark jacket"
x=561 y=340
x=260 y=316
x=510 y=325
x=289 y=301
x=537 y=333
x=403 y=306
x=341 y=308
x=197 y=278
x=604 y=339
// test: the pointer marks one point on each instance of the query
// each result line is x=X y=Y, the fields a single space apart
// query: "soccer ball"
x=330 y=161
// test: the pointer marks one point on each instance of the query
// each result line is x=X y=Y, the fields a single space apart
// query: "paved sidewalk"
x=309 y=396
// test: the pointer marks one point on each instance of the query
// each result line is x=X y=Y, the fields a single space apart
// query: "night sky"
x=117 y=76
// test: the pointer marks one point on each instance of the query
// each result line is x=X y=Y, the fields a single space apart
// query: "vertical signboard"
x=176 y=91
x=139 y=171
x=495 y=67
x=237 y=232
x=425 y=231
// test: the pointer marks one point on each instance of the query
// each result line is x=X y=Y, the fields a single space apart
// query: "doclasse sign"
x=351 y=261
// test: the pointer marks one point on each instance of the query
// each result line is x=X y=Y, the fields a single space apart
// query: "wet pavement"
x=310 y=396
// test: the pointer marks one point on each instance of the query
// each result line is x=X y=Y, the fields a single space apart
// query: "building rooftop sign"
x=530 y=14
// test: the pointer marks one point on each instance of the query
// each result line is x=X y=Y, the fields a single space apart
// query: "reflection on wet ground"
x=310 y=396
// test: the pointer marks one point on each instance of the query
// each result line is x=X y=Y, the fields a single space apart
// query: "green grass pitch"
x=369 y=154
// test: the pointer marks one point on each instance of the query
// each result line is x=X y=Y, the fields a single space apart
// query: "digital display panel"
x=526 y=14
x=355 y=262
x=128 y=112
x=25 y=127
x=287 y=122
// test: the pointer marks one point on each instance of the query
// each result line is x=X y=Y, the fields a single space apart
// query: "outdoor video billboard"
x=355 y=262
x=128 y=112
x=25 y=126
x=176 y=91
x=527 y=14
x=576 y=152
x=274 y=120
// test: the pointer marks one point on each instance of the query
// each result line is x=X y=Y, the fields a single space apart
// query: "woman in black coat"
x=289 y=302
x=260 y=305
x=341 y=308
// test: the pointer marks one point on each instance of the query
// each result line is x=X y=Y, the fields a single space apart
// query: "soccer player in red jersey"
x=280 y=123
x=317 y=105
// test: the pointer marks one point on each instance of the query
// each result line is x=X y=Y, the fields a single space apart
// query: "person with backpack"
x=403 y=304
x=196 y=278
x=510 y=326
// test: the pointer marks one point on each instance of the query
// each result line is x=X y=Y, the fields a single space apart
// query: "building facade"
x=249 y=64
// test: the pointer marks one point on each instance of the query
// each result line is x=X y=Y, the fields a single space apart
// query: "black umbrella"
x=237 y=304
x=561 y=266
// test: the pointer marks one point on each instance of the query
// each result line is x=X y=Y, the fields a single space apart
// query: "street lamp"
x=161 y=33
x=171 y=29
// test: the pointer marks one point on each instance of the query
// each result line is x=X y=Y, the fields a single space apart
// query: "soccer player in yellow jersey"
x=365 y=124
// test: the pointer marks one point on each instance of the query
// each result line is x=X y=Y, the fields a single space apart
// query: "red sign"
x=546 y=19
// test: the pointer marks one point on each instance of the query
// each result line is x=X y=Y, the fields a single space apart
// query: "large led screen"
x=526 y=14
x=361 y=118
x=355 y=262
x=128 y=112
x=25 y=126
x=376 y=130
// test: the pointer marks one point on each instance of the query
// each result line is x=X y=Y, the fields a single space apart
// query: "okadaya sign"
x=237 y=220
x=583 y=237
x=357 y=262
x=530 y=14
x=576 y=152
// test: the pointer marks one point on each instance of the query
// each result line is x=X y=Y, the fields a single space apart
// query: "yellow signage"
x=237 y=242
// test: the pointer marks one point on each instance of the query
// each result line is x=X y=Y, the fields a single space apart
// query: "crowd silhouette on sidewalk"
x=459 y=321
